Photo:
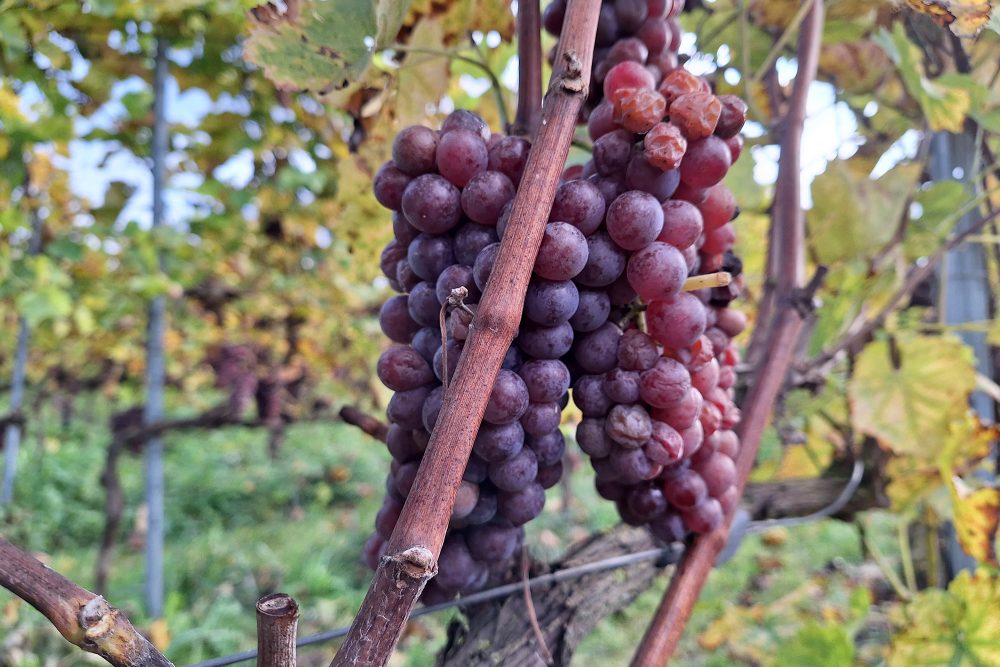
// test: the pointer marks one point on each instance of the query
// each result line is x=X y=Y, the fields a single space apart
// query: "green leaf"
x=958 y=627
x=320 y=46
x=47 y=302
x=817 y=646
x=910 y=407
x=939 y=203
x=853 y=216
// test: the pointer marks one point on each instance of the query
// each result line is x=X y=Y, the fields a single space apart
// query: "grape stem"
x=664 y=632
x=708 y=280
x=412 y=550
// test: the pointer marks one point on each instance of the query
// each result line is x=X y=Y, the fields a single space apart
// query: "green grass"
x=240 y=525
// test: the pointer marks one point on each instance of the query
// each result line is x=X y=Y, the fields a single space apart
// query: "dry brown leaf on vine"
x=977 y=518
x=965 y=18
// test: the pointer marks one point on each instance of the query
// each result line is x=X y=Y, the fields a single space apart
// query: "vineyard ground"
x=240 y=525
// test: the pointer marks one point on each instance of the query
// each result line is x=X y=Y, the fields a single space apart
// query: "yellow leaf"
x=965 y=18
x=159 y=634
x=977 y=517
x=909 y=403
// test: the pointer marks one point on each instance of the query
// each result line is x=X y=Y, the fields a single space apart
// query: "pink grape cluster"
x=448 y=190
x=641 y=31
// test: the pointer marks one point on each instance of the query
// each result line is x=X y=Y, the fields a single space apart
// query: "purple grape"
x=551 y=302
x=685 y=490
x=634 y=220
x=592 y=311
x=622 y=386
x=589 y=396
x=629 y=425
x=581 y=204
x=508 y=156
x=605 y=261
x=665 y=384
x=432 y=407
x=546 y=379
x=424 y=307
x=541 y=418
x=426 y=342
x=546 y=342
x=463 y=119
x=612 y=153
x=563 y=252
x=414 y=149
x=469 y=241
x=401 y=368
x=515 y=473
x=548 y=448
x=520 y=507
x=432 y=204
x=485 y=196
x=430 y=255
x=483 y=266
x=389 y=184
x=508 y=400
x=498 y=442
x=597 y=351
x=452 y=277
x=492 y=542
x=461 y=154
x=395 y=319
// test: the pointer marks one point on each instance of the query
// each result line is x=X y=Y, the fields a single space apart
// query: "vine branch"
x=663 y=634
x=84 y=619
x=529 y=68
x=411 y=553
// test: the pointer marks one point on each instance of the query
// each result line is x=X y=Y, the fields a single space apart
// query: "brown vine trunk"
x=500 y=633
x=114 y=505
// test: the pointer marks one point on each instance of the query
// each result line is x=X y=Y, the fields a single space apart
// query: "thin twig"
x=529 y=68
x=530 y=604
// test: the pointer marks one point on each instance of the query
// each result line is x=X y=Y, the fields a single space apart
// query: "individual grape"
x=629 y=48
x=682 y=224
x=685 y=192
x=719 y=240
x=592 y=310
x=676 y=322
x=483 y=266
x=424 y=307
x=432 y=408
x=632 y=465
x=729 y=443
x=685 y=490
x=551 y=302
x=460 y=321
x=621 y=386
x=429 y=255
x=719 y=473
x=426 y=342
x=508 y=400
x=404 y=477
x=485 y=196
x=684 y=413
x=735 y=146
x=731 y=322
x=605 y=261
x=665 y=445
x=391 y=254
x=541 y=418
x=710 y=418
x=706 y=162
x=593 y=438
x=413 y=150
x=664 y=146
x=601 y=120
x=515 y=473
x=665 y=384
x=514 y=358
x=692 y=259
x=657 y=272
x=626 y=76
x=466 y=499
x=401 y=368
x=654 y=34
x=453 y=277
x=658 y=8
x=729 y=500
x=493 y=542
x=611 y=154
x=498 y=442
x=405 y=407
x=546 y=379
x=630 y=14
x=732 y=116
x=549 y=448
x=580 y=204
x=638 y=109
x=432 y=204
x=693 y=436
x=373 y=551
x=508 y=156
x=642 y=175
x=456 y=566
x=668 y=527
x=634 y=220
x=718 y=208
x=705 y=517
x=461 y=154
x=548 y=476
x=486 y=505
x=677 y=83
x=597 y=351
x=607 y=26
x=389 y=184
x=589 y=396
x=546 y=342
x=405 y=276
x=395 y=320
x=520 y=507
x=637 y=351
x=454 y=354
x=646 y=502
x=629 y=425
x=610 y=186
x=469 y=241
x=402 y=229
x=563 y=253
x=706 y=378
x=476 y=470
x=387 y=516
x=696 y=114
x=462 y=119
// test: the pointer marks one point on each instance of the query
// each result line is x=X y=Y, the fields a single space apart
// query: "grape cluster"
x=645 y=32
x=653 y=370
x=449 y=191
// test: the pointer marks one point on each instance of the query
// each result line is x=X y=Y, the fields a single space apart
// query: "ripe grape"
x=563 y=253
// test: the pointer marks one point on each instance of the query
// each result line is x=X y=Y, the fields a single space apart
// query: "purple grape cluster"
x=449 y=191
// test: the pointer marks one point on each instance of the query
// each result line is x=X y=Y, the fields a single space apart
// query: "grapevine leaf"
x=938 y=204
x=977 y=517
x=818 y=646
x=957 y=627
x=909 y=406
x=320 y=46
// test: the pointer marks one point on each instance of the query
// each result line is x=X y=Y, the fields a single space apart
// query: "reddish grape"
x=677 y=321
x=696 y=114
x=626 y=75
x=634 y=220
x=705 y=163
x=664 y=146
x=657 y=271
x=638 y=109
